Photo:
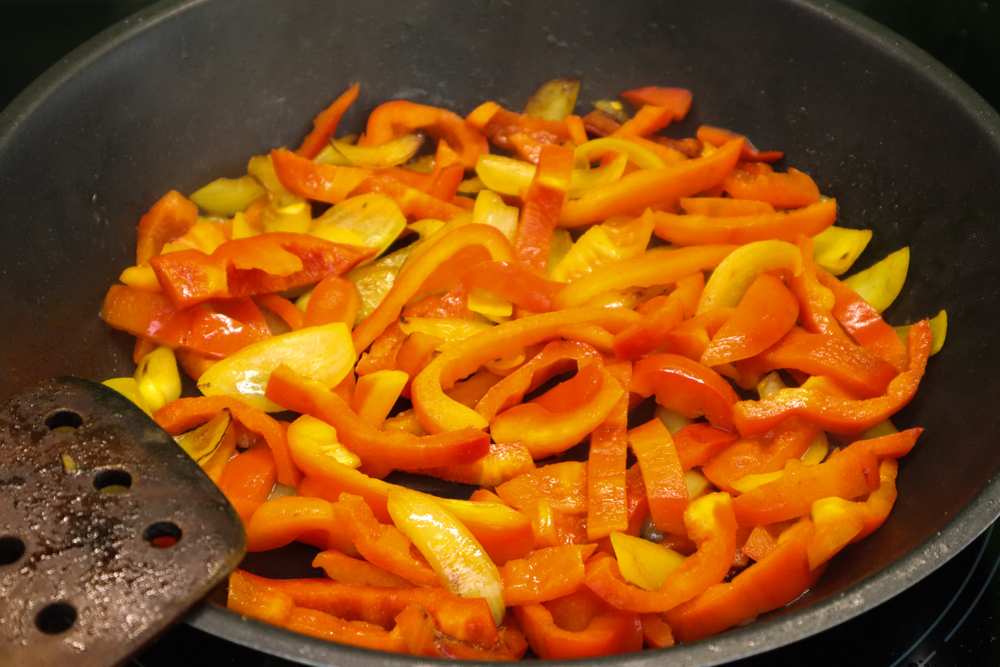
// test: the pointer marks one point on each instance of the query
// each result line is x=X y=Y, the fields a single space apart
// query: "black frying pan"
x=187 y=91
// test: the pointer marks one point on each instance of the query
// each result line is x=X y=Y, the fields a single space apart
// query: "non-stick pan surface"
x=188 y=91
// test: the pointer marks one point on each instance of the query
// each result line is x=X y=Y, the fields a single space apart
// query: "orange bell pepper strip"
x=403 y=450
x=762 y=540
x=700 y=229
x=850 y=365
x=501 y=463
x=334 y=299
x=542 y=205
x=326 y=123
x=578 y=626
x=415 y=204
x=381 y=356
x=698 y=443
x=423 y=637
x=692 y=337
x=170 y=217
x=758 y=181
x=501 y=126
x=651 y=332
x=764 y=315
x=815 y=300
x=895 y=445
x=353 y=633
x=770 y=583
x=852 y=473
x=662 y=475
x=345 y=569
x=412 y=281
x=607 y=493
x=723 y=207
x=685 y=386
x=437 y=412
x=283 y=308
x=316 y=181
x=717 y=136
x=863 y=322
x=247 y=598
x=514 y=282
x=184 y=414
x=247 y=480
x=711 y=524
x=255 y=265
x=154 y=317
x=663 y=187
x=382 y=544
x=394 y=119
x=563 y=485
x=655 y=631
x=376 y=394
x=835 y=413
x=678 y=100
x=646 y=270
x=469 y=619
x=544 y=574
x=281 y=521
x=649 y=119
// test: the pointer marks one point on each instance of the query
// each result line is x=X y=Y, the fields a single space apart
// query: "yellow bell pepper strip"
x=837 y=248
x=554 y=100
x=881 y=283
x=662 y=475
x=384 y=545
x=633 y=193
x=461 y=563
x=605 y=146
x=306 y=396
x=563 y=485
x=185 y=413
x=128 y=388
x=685 y=386
x=169 y=218
x=247 y=480
x=678 y=100
x=249 y=599
x=764 y=315
x=353 y=633
x=393 y=119
x=412 y=280
x=607 y=495
x=414 y=203
x=863 y=322
x=716 y=136
x=839 y=522
x=652 y=268
x=423 y=637
x=723 y=207
x=699 y=229
x=467 y=619
x=770 y=583
x=659 y=320
x=312 y=180
x=255 y=265
x=309 y=432
x=392 y=153
x=157 y=378
x=542 y=204
x=345 y=569
x=712 y=526
x=758 y=181
x=611 y=241
x=437 y=412
x=374 y=219
x=326 y=123
x=282 y=521
x=228 y=196
x=642 y=562
x=578 y=626
x=210 y=442
x=545 y=574
x=852 y=473
x=835 y=413
x=734 y=274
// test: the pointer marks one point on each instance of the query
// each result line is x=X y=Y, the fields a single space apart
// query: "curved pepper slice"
x=247 y=480
x=695 y=229
x=423 y=637
x=712 y=526
x=341 y=567
x=761 y=183
x=545 y=574
x=326 y=123
x=733 y=276
x=685 y=386
x=170 y=217
x=392 y=119
x=717 y=136
x=414 y=203
x=353 y=633
x=678 y=100
x=651 y=333
x=291 y=518
x=313 y=180
x=815 y=300
x=514 y=282
x=835 y=413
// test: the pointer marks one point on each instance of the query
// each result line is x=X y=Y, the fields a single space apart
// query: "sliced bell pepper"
x=283 y=308
x=563 y=485
x=392 y=119
x=717 y=137
x=649 y=119
x=414 y=203
x=326 y=123
x=678 y=100
x=662 y=475
x=698 y=443
x=501 y=463
x=313 y=180
x=651 y=333
x=607 y=493
x=423 y=637
x=685 y=386
x=334 y=299
x=542 y=203
x=758 y=181
x=700 y=229
x=376 y=394
x=281 y=521
x=643 y=562
x=723 y=207
x=691 y=337
x=247 y=480
x=734 y=274
x=353 y=633
x=881 y=283
x=545 y=574
x=250 y=599
x=345 y=569
x=514 y=282
x=167 y=219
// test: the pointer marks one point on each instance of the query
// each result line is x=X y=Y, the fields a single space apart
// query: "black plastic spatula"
x=109 y=532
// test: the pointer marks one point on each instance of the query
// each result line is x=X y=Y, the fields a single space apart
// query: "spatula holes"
x=55 y=618
x=64 y=421
x=112 y=482
x=11 y=549
x=162 y=534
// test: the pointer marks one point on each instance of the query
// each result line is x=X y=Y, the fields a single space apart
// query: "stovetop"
x=951 y=619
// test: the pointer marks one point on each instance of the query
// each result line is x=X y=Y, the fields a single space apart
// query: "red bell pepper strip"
x=501 y=126
x=723 y=207
x=250 y=599
x=281 y=521
x=415 y=204
x=169 y=218
x=834 y=413
x=698 y=443
x=600 y=123
x=692 y=337
x=247 y=480
x=678 y=100
x=514 y=282
x=295 y=392
x=607 y=501
x=770 y=583
x=711 y=524
x=423 y=637
x=353 y=633
x=759 y=182
x=381 y=356
x=355 y=571
x=326 y=123
x=764 y=315
x=662 y=475
x=184 y=414
x=544 y=574
x=649 y=119
x=283 y=308
x=815 y=300
x=578 y=626
x=717 y=137
x=651 y=332
x=314 y=180
x=700 y=229
x=399 y=117
x=852 y=473
x=542 y=205
x=634 y=192
x=334 y=299
x=685 y=386
x=563 y=485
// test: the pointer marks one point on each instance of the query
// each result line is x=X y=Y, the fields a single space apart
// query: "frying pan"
x=187 y=91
